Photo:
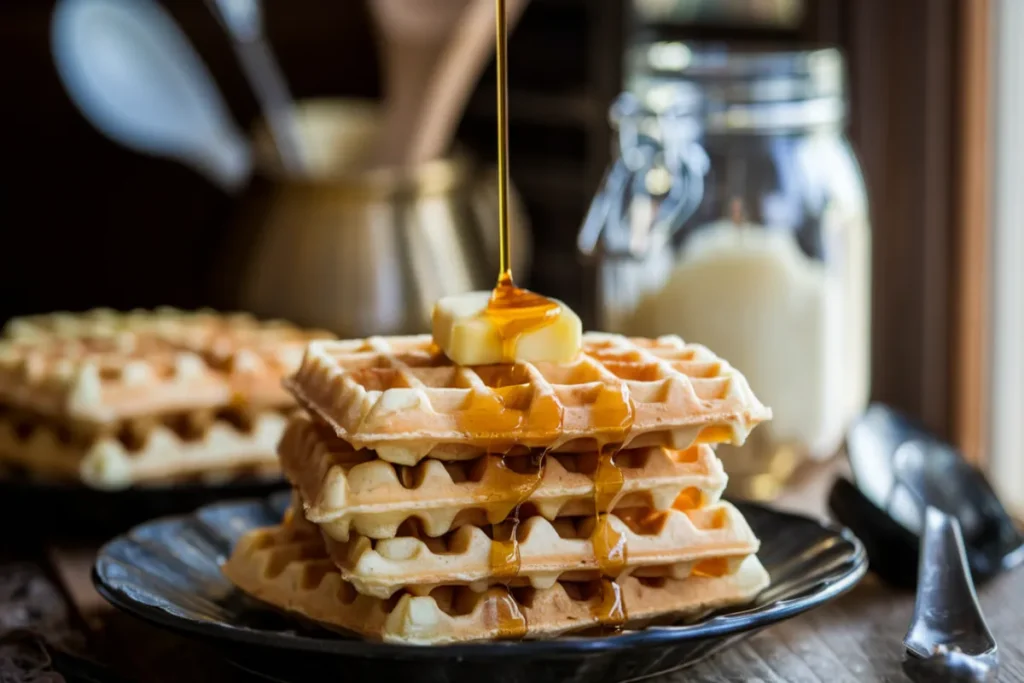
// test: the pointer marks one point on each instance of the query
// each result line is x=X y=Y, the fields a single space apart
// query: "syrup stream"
x=516 y=311
x=505 y=252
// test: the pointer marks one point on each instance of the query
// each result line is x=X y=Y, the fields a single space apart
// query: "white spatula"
x=135 y=76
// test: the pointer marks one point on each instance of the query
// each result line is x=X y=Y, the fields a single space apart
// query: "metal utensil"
x=358 y=251
x=900 y=469
x=243 y=20
x=133 y=74
x=948 y=639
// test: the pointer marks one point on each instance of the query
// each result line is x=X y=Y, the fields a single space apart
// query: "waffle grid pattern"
x=403 y=398
x=115 y=399
x=442 y=503
x=291 y=570
x=352 y=491
x=664 y=543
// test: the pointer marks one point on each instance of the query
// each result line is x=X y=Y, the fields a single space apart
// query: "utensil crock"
x=362 y=252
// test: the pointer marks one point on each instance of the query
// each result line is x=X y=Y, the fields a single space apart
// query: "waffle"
x=254 y=355
x=186 y=328
x=669 y=543
x=289 y=568
x=204 y=444
x=115 y=399
x=95 y=323
x=353 y=491
x=104 y=380
x=402 y=398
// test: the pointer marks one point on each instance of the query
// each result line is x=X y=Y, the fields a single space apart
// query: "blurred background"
x=821 y=190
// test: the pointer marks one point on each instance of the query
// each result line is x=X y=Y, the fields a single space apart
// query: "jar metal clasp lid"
x=653 y=186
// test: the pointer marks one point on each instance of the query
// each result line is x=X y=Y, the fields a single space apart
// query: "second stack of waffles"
x=437 y=503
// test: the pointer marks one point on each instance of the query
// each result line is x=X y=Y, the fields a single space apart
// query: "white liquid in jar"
x=797 y=328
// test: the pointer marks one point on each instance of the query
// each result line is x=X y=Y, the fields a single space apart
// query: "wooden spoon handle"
x=412 y=35
x=457 y=72
x=407 y=74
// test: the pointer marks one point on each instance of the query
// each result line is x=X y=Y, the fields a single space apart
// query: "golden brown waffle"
x=351 y=490
x=254 y=354
x=289 y=568
x=103 y=380
x=670 y=543
x=116 y=399
x=203 y=443
x=188 y=328
x=97 y=322
x=401 y=397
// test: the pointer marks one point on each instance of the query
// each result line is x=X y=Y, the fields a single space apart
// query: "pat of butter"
x=470 y=335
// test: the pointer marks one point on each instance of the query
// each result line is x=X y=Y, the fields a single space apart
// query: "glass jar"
x=769 y=266
x=785 y=14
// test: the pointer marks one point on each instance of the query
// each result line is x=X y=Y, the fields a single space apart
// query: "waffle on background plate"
x=114 y=400
x=435 y=503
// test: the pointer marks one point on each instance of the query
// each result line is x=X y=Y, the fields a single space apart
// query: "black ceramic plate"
x=168 y=572
x=74 y=510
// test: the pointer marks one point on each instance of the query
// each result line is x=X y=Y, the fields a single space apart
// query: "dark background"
x=87 y=223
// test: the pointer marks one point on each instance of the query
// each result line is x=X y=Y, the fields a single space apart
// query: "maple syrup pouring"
x=513 y=311
x=501 y=64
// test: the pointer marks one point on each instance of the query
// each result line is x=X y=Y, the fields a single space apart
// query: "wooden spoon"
x=458 y=71
x=413 y=35
x=433 y=53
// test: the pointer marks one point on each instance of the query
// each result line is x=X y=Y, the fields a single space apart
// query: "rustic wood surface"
x=856 y=639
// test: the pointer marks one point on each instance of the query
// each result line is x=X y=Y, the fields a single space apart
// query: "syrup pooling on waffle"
x=404 y=399
x=291 y=570
x=515 y=311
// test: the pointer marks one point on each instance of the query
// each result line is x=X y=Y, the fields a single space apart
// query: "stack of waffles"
x=117 y=399
x=437 y=503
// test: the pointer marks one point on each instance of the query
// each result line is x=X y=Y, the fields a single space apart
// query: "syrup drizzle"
x=508 y=409
x=513 y=311
x=504 y=479
x=613 y=412
x=504 y=557
x=506 y=615
x=611 y=610
x=487 y=412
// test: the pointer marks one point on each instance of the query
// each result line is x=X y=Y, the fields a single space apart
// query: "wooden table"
x=856 y=639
